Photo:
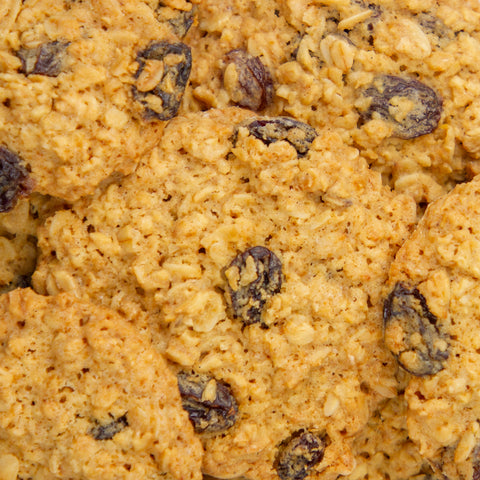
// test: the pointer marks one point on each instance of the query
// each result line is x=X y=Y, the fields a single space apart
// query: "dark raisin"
x=20 y=281
x=363 y=31
x=23 y=281
x=179 y=20
x=182 y=22
x=14 y=180
x=249 y=84
x=270 y=130
x=476 y=471
x=332 y=19
x=475 y=459
x=109 y=430
x=47 y=59
x=252 y=278
x=413 y=108
x=374 y=8
x=436 y=30
x=298 y=454
x=169 y=65
x=427 y=476
x=210 y=403
x=412 y=332
x=445 y=467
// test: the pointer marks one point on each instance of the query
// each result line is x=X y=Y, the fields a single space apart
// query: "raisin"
x=20 y=281
x=374 y=8
x=161 y=78
x=182 y=22
x=426 y=476
x=412 y=332
x=252 y=278
x=298 y=454
x=23 y=281
x=14 y=180
x=249 y=82
x=413 y=108
x=179 y=20
x=210 y=404
x=109 y=430
x=363 y=31
x=270 y=130
x=47 y=59
x=435 y=29
x=475 y=459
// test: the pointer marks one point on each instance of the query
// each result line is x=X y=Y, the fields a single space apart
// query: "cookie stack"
x=239 y=239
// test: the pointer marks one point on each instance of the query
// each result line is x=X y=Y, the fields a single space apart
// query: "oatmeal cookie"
x=431 y=315
x=84 y=396
x=400 y=80
x=85 y=88
x=257 y=248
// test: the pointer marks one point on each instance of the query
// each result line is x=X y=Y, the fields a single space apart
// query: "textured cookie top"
x=258 y=248
x=18 y=230
x=431 y=324
x=399 y=79
x=384 y=450
x=85 y=87
x=18 y=242
x=84 y=396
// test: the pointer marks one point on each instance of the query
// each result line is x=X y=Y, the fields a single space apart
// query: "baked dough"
x=84 y=396
x=431 y=326
x=399 y=79
x=86 y=87
x=254 y=251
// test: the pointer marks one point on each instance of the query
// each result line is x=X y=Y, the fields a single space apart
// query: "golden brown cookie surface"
x=384 y=449
x=258 y=248
x=84 y=396
x=85 y=88
x=18 y=239
x=252 y=246
x=431 y=326
x=398 y=79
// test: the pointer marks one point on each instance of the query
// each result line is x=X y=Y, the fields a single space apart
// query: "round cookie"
x=84 y=396
x=85 y=88
x=431 y=326
x=400 y=80
x=255 y=250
